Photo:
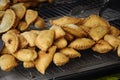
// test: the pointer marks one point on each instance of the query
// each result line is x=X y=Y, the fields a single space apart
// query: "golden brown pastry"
x=22 y=42
x=98 y=32
x=60 y=43
x=59 y=32
x=45 y=39
x=70 y=52
x=26 y=55
x=94 y=20
x=69 y=37
x=35 y=31
x=11 y=41
x=60 y=59
x=113 y=41
x=1 y=14
x=39 y=23
x=30 y=16
x=22 y=26
x=102 y=46
x=118 y=51
x=82 y=43
x=7 y=62
x=19 y=9
x=66 y=20
x=5 y=23
x=30 y=37
x=44 y=59
x=4 y=4
x=28 y=64
x=4 y=50
x=14 y=31
x=74 y=30
x=114 y=31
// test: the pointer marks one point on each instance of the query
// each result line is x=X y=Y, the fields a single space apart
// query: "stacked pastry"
x=59 y=44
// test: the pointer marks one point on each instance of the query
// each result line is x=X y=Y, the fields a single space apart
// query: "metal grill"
x=63 y=7
x=89 y=60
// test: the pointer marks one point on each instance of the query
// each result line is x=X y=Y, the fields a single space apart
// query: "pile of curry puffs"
x=58 y=44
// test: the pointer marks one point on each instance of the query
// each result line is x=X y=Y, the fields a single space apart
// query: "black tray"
x=90 y=62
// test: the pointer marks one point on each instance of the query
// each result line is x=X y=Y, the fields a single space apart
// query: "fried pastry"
x=30 y=16
x=68 y=36
x=60 y=43
x=30 y=37
x=114 y=31
x=22 y=42
x=113 y=41
x=60 y=59
x=45 y=39
x=66 y=20
x=59 y=32
x=118 y=51
x=26 y=55
x=44 y=59
x=14 y=31
x=94 y=20
x=35 y=31
x=22 y=26
x=74 y=30
x=7 y=62
x=39 y=23
x=11 y=41
x=4 y=4
x=19 y=9
x=82 y=43
x=1 y=14
x=4 y=50
x=98 y=32
x=28 y=64
x=85 y=28
x=8 y=20
x=102 y=46
x=70 y=52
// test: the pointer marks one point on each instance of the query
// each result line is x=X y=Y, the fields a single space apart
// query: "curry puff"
x=30 y=16
x=26 y=55
x=69 y=37
x=22 y=42
x=98 y=32
x=22 y=26
x=70 y=52
x=60 y=59
x=102 y=46
x=114 y=31
x=66 y=20
x=44 y=59
x=39 y=23
x=118 y=51
x=74 y=30
x=7 y=21
x=30 y=37
x=4 y=4
x=45 y=39
x=82 y=43
x=19 y=9
x=7 y=62
x=60 y=43
x=11 y=41
x=59 y=32
x=94 y=20
x=28 y=64
x=113 y=41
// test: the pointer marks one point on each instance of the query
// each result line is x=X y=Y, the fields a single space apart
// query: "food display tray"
x=89 y=62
